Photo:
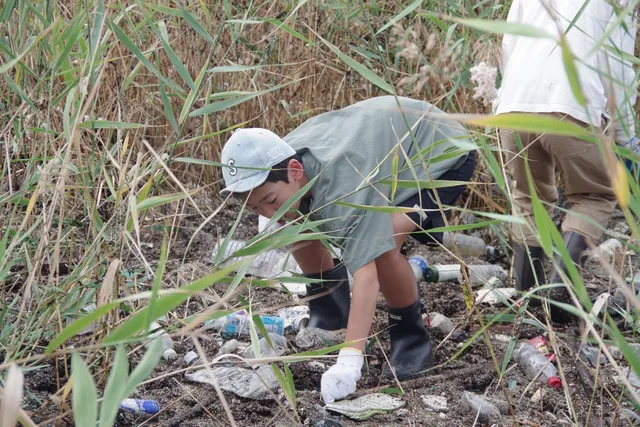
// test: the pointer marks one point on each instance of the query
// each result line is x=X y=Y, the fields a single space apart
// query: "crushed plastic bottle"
x=608 y=249
x=274 y=263
x=140 y=406
x=468 y=245
x=277 y=348
x=295 y=318
x=316 y=337
x=532 y=362
x=229 y=347
x=243 y=382
x=237 y=324
x=168 y=352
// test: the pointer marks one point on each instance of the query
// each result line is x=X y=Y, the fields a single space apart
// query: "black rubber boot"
x=576 y=245
x=410 y=342
x=526 y=274
x=330 y=311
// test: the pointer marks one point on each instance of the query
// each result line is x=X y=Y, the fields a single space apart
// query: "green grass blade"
x=194 y=92
x=114 y=389
x=572 y=73
x=193 y=23
x=413 y=6
x=503 y=27
x=154 y=201
x=9 y=65
x=85 y=397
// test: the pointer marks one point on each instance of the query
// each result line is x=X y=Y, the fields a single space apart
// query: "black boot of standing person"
x=528 y=266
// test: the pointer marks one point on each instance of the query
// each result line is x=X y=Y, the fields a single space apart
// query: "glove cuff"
x=351 y=357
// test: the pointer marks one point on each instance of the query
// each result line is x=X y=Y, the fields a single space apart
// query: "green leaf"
x=145 y=366
x=154 y=201
x=525 y=122
x=9 y=65
x=359 y=68
x=424 y=184
x=503 y=27
x=85 y=397
x=413 y=6
x=193 y=22
x=114 y=390
x=107 y=124
x=572 y=73
x=394 y=173
x=157 y=279
x=234 y=69
x=175 y=61
x=135 y=323
x=194 y=92
x=79 y=325
x=225 y=105
x=289 y=30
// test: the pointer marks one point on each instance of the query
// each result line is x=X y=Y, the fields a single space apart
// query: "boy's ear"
x=295 y=170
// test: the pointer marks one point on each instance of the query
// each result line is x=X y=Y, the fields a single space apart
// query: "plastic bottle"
x=468 y=245
x=168 y=352
x=237 y=324
x=608 y=249
x=295 y=318
x=478 y=274
x=269 y=264
x=532 y=362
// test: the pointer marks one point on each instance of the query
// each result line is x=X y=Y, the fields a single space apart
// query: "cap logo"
x=232 y=171
x=275 y=152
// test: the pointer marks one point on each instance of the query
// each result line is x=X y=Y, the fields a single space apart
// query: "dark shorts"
x=448 y=197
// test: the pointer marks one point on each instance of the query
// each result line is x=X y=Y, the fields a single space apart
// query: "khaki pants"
x=587 y=183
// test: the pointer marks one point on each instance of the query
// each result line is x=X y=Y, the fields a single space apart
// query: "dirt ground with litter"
x=184 y=403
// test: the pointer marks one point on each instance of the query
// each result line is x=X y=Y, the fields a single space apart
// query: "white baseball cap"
x=248 y=157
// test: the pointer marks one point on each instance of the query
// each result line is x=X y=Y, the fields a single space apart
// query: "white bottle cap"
x=169 y=354
x=190 y=358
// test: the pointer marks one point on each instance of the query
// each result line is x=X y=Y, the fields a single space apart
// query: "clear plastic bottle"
x=274 y=263
x=237 y=324
x=294 y=318
x=478 y=274
x=468 y=245
x=168 y=352
x=419 y=265
x=532 y=362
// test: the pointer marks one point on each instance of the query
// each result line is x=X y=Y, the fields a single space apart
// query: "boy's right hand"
x=340 y=380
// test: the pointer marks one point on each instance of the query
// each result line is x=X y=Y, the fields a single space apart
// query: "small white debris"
x=365 y=407
x=501 y=338
x=435 y=403
x=495 y=296
x=539 y=395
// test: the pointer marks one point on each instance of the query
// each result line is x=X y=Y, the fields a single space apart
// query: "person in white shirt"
x=535 y=81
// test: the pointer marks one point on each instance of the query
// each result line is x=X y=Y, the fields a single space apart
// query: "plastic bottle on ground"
x=532 y=362
x=168 y=352
x=140 y=406
x=478 y=274
x=467 y=245
x=237 y=324
x=608 y=249
x=274 y=263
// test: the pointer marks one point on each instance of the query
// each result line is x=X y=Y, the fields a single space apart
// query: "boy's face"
x=270 y=196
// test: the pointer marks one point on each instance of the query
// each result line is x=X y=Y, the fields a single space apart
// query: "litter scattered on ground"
x=495 y=296
x=229 y=347
x=535 y=364
x=140 y=406
x=476 y=404
x=592 y=355
x=435 y=403
x=238 y=324
x=539 y=395
x=277 y=348
x=168 y=353
x=243 y=382
x=440 y=323
x=365 y=407
x=608 y=249
x=631 y=375
x=85 y=310
x=295 y=318
x=312 y=337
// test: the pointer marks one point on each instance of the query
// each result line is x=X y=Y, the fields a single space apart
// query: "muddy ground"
x=187 y=404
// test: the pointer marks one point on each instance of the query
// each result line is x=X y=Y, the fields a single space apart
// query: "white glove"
x=340 y=380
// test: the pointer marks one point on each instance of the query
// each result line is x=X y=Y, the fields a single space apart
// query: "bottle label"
x=419 y=262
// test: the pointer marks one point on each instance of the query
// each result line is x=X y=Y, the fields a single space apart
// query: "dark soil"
x=184 y=403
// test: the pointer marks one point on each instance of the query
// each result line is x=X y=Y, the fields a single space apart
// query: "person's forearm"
x=363 y=307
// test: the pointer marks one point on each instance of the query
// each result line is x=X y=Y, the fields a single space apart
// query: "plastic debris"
x=478 y=274
x=592 y=355
x=631 y=375
x=168 y=353
x=295 y=318
x=540 y=343
x=237 y=324
x=435 y=403
x=440 y=323
x=476 y=404
x=535 y=364
x=608 y=249
x=467 y=245
x=365 y=407
x=140 y=406
x=243 y=382
x=539 y=395
x=316 y=337
x=274 y=263
x=229 y=347
x=85 y=310
x=278 y=348
x=495 y=296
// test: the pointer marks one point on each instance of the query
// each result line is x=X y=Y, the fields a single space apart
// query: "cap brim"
x=246 y=184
